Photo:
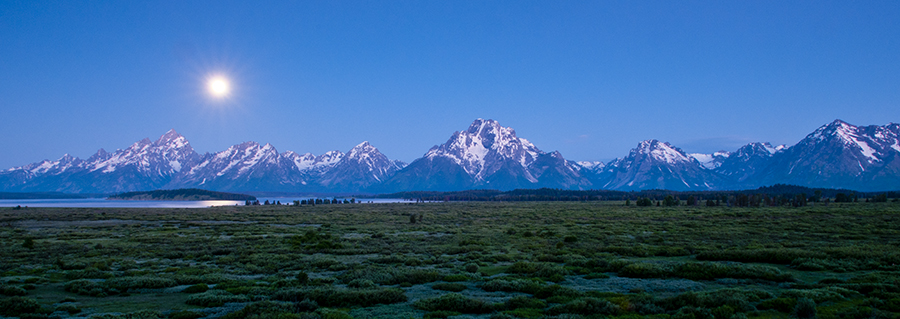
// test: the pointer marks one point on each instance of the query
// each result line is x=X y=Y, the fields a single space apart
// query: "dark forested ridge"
x=548 y=194
x=181 y=194
x=45 y=195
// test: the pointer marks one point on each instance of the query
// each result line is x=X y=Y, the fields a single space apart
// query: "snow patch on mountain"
x=710 y=161
x=591 y=165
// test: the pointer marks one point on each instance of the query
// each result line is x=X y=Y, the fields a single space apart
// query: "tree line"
x=775 y=195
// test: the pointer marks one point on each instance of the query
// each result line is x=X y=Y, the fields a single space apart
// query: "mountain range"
x=485 y=156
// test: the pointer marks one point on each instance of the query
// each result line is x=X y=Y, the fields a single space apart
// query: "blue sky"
x=588 y=78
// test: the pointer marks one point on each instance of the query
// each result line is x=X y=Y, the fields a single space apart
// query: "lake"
x=102 y=202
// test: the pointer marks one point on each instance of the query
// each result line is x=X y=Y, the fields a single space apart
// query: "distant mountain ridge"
x=182 y=194
x=484 y=156
x=171 y=163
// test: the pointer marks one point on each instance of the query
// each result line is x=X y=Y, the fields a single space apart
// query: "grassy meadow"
x=452 y=260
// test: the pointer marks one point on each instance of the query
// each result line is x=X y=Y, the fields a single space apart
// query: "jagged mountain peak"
x=656 y=164
x=330 y=157
x=868 y=141
x=837 y=128
x=487 y=154
x=661 y=151
x=757 y=149
x=484 y=142
x=253 y=152
x=484 y=155
x=170 y=135
x=143 y=142
x=67 y=158
x=361 y=149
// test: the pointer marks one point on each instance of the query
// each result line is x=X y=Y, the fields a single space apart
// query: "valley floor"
x=457 y=260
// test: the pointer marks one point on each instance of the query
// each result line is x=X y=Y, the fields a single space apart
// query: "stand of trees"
x=181 y=194
x=775 y=195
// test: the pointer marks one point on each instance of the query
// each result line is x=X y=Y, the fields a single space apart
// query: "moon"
x=218 y=86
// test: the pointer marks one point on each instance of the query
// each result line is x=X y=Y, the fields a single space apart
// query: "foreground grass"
x=490 y=260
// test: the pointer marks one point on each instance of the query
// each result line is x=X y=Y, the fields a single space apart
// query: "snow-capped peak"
x=662 y=151
x=848 y=135
x=485 y=141
x=363 y=149
x=329 y=158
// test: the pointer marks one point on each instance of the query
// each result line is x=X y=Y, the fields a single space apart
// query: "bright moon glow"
x=218 y=86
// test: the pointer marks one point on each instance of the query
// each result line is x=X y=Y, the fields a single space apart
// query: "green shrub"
x=337 y=297
x=440 y=314
x=646 y=270
x=530 y=313
x=302 y=277
x=16 y=306
x=805 y=308
x=513 y=285
x=471 y=267
x=818 y=295
x=88 y=288
x=710 y=271
x=785 y=305
x=771 y=256
x=392 y=276
x=263 y=309
x=143 y=314
x=703 y=271
x=141 y=282
x=215 y=298
x=185 y=279
x=724 y=311
x=556 y=291
x=445 y=286
x=523 y=267
x=12 y=291
x=524 y=302
x=543 y=270
x=362 y=283
x=596 y=275
x=70 y=308
x=892 y=305
x=186 y=314
x=586 y=306
x=693 y=313
x=326 y=313
x=455 y=278
x=306 y=305
x=738 y=299
x=454 y=302
x=196 y=288
x=88 y=273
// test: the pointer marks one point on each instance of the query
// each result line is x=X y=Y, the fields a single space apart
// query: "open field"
x=468 y=260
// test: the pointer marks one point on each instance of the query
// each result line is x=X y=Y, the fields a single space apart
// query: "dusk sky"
x=587 y=78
